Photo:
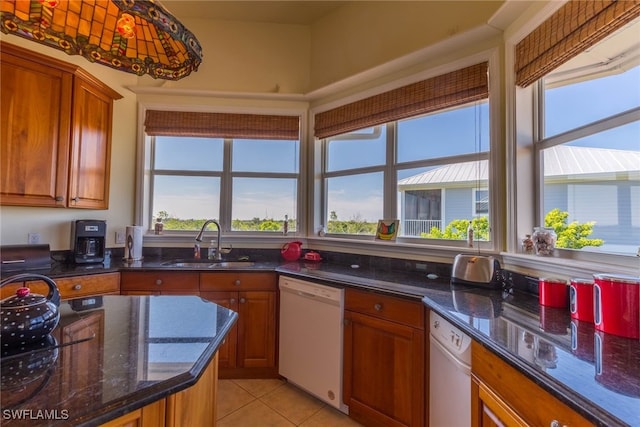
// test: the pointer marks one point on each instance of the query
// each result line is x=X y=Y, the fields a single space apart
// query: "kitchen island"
x=111 y=356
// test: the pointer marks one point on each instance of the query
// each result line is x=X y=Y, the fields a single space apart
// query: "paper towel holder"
x=134 y=243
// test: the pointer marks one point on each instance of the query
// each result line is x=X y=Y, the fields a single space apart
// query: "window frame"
x=407 y=245
x=144 y=179
x=523 y=178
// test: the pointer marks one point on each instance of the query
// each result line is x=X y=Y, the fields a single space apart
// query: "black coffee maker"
x=88 y=240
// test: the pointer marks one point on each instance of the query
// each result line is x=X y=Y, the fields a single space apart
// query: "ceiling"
x=300 y=12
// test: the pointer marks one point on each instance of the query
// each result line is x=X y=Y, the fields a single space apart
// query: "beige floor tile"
x=259 y=388
x=230 y=397
x=292 y=403
x=255 y=414
x=329 y=417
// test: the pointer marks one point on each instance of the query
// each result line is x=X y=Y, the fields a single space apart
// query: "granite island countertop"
x=111 y=355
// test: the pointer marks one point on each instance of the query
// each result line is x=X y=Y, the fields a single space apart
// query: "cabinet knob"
x=158 y=282
x=232 y=301
x=77 y=287
x=556 y=423
x=242 y=300
x=237 y=282
x=377 y=307
x=59 y=199
x=76 y=199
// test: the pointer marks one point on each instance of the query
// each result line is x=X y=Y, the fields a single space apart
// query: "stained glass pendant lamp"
x=139 y=37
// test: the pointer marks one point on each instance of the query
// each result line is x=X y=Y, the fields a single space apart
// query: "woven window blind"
x=437 y=93
x=221 y=125
x=572 y=29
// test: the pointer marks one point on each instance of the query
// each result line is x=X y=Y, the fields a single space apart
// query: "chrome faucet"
x=218 y=255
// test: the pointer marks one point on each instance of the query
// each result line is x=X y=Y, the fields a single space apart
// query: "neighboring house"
x=592 y=184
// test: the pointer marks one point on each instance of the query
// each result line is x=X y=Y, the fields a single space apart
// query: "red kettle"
x=291 y=251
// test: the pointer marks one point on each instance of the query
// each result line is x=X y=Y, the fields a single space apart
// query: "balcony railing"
x=414 y=227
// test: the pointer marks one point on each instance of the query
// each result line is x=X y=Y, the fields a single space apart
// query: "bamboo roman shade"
x=437 y=93
x=572 y=29
x=221 y=125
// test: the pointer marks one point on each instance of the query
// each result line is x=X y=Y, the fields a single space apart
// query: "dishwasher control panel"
x=448 y=335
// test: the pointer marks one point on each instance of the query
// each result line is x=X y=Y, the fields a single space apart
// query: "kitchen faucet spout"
x=218 y=255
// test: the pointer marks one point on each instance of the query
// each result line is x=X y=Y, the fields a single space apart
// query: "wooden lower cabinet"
x=73 y=287
x=249 y=350
x=159 y=283
x=384 y=359
x=502 y=396
x=194 y=406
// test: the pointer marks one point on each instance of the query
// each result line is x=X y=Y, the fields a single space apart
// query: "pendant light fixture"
x=136 y=36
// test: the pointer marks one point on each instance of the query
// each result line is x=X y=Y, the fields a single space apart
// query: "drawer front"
x=159 y=281
x=535 y=405
x=410 y=313
x=72 y=287
x=97 y=284
x=237 y=281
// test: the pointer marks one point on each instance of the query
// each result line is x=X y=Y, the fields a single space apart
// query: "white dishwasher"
x=311 y=338
x=449 y=374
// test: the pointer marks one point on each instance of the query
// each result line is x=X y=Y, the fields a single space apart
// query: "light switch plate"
x=119 y=237
x=34 y=238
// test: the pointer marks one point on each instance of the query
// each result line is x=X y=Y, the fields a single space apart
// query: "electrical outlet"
x=34 y=238
x=119 y=237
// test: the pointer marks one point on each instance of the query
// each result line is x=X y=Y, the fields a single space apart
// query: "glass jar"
x=527 y=245
x=544 y=240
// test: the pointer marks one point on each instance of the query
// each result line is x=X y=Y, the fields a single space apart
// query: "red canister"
x=617 y=304
x=553 y=292
x=581 y=299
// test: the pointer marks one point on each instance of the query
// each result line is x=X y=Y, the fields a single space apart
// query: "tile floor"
x=273 y=403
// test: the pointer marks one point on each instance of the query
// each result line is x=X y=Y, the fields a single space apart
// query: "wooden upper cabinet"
x=55 y=142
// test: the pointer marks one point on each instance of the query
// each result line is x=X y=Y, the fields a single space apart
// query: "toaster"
x=476 y=270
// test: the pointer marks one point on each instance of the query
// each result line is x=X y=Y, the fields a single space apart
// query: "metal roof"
x=560 y=161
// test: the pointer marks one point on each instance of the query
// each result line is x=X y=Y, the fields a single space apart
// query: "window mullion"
x=226 y=186
x=390 y=194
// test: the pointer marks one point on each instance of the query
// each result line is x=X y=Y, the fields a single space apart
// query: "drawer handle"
x=158 y=282
x=242 y=300
x=377 y=307
x=237 y=282
x=77 y=287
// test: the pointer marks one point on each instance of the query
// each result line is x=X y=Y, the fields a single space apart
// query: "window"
x=589 y=149
x=249 y=184
x=429 y=171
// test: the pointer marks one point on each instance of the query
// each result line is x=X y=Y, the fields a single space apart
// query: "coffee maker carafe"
x=88 y=240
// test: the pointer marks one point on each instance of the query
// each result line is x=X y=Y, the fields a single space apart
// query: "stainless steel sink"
x=231 y=264
x=208 y=264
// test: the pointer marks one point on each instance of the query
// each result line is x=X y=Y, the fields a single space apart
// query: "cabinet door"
x=90 y=160
x=256 y=329
x=152 y=415
x=35 y=129
x=489 y=410
x=227 y=351
x=383 y=371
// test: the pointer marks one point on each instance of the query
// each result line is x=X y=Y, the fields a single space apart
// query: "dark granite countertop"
x=111 y=355
x=596 y=374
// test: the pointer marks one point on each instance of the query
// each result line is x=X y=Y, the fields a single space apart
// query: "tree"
x=571 y=236
x=457 y=230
